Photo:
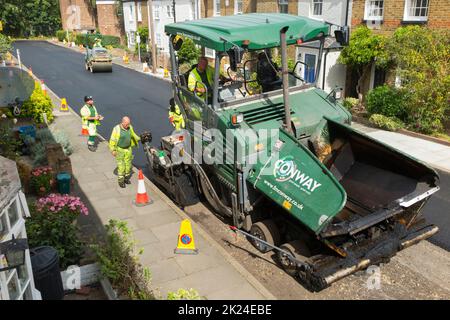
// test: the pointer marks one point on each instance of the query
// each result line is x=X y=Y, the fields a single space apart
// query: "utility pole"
x=152 y=33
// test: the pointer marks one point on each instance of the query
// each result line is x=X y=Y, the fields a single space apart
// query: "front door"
x=310 y=70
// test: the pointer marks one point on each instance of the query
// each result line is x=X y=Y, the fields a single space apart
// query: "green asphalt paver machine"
x=295 y=174
x=97 y=58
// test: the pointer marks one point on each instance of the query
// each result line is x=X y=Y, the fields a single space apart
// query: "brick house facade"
x=77 y=15
x=80 y=15
x=396 y=13
x=109 y=23
x=230 y=7
x=384 y=17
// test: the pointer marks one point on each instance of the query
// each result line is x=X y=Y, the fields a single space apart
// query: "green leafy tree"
x=23 y=18
x=5 y=44
x=143 y=32
x=421 y=57
x=12 y=16
x=188 y=52
x=363 y=50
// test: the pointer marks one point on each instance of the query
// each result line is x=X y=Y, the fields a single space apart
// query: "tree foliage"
x=363 y=50
x=421 y=57
x=24 y=18
x=5 y=44
x=188 y=52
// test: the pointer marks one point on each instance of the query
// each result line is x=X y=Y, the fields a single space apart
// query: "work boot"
x=91 y=147
x=122 y=184
x=127 y=180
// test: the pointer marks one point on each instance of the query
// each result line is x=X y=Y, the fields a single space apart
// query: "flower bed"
x=41 y=181
x=52 y=223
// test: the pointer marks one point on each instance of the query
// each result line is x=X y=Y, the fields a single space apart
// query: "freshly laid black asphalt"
x=145 y=100
x=123 y=92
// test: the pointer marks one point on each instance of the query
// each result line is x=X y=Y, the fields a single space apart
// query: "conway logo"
x=286 y=170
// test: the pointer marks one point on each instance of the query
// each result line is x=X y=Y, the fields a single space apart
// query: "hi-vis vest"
x=86 y=113
x=195 y=81
x=176 y=118
x=115 y=136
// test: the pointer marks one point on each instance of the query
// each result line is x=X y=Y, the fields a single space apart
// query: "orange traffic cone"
x=84 y=130
x=142 y=198
x=44 y=88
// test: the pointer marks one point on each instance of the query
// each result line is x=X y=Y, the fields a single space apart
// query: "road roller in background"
x=97 y=57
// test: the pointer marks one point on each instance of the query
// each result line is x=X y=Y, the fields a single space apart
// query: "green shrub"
x=9 y=145
x=388 y=101
x=107 y=40
x=143 y=50
x=61 y=35
x=52 y=223
x=37 y=151
x=420 y=56
x=350 y=103
x=5 y=45
x=110 y=41
x=79 y=39
x=188 y=53
x=253 y=86
x=183 y=294
x=143 y=33
x=37 y=104
x=63 y=139
x=291 y=62
x=37 y=145
x=386 y=123
x=65 y=35
x=119 y=262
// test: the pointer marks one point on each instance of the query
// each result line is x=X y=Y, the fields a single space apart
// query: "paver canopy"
x=262 y=30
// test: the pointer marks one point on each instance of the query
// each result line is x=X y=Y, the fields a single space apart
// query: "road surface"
x=145 y=99
x=122 y=92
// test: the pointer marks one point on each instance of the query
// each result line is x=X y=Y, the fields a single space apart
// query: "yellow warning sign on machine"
x=186 y=244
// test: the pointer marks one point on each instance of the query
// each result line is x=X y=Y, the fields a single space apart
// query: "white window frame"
x=236 y=6
x=169 y=9
x=408 y=8
x=139 y=12
x=156 y=12
x=216 y=10
x=283 y=3
x=131 y=12
x=158 y=39
x=131 y=38
x=25 y=290
x=368 y=8
x=313 y=5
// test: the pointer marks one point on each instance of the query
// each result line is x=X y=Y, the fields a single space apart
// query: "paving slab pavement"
x=213 y=272
x=434 y=154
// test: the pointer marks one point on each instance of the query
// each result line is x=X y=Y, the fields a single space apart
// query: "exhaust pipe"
x=285 y=78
